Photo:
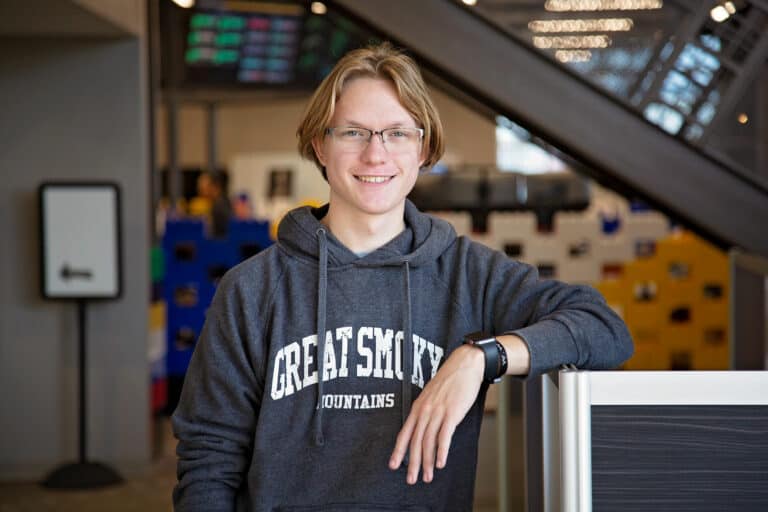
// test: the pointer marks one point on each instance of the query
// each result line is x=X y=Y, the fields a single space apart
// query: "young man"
x=334 y=371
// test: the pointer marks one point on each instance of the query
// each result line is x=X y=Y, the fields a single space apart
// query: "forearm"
x=518 y=356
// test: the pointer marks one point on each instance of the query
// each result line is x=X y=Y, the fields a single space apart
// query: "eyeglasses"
x=395 y=140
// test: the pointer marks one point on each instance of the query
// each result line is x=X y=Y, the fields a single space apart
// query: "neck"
x=364 y=233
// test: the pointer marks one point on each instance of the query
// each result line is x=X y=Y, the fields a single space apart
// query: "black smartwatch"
x=495 y=355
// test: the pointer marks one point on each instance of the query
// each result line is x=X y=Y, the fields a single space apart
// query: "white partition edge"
x=550 y=440
x=677 y=388
x=575 y=442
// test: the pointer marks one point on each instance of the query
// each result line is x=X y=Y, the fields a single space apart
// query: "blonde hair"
x=384 y=62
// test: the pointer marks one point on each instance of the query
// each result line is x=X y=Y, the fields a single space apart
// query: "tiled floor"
x=149 y=493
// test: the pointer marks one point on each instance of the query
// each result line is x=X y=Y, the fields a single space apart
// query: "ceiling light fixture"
x=186 y=4
x=571 y=42
x=469 y=2
x=573 y=55
x=602 y=5
x=318 y=8
x=719 y=14
x=585 y=25
x=722 y=12
x=743 y=118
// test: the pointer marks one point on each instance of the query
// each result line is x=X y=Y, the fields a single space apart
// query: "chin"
x=381 y=208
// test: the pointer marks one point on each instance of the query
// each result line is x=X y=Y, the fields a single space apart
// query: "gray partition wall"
x=683 y=441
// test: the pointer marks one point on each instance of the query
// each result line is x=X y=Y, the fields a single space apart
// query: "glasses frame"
x=330 y=131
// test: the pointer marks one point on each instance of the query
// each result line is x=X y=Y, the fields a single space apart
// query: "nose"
x=375 y=151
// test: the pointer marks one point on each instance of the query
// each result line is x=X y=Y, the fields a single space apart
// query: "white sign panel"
x=80 y=240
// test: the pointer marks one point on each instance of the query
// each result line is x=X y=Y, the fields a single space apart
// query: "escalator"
x=673 y=171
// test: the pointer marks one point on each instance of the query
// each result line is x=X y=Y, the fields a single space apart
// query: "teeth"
x=373 y=179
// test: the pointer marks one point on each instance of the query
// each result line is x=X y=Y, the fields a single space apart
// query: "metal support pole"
x=154 y=69
x=550 y=442
x=82 y=401
x=212 y=144
x=174 y=175
x=575 y=442
x=82 y=474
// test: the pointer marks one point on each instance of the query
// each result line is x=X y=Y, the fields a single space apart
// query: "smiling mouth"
x=374 y=179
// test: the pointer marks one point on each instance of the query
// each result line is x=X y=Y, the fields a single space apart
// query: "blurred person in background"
x=212 y=185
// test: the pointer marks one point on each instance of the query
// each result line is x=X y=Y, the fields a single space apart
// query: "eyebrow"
x=396 y=124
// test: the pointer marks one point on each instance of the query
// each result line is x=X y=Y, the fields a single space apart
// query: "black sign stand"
x=82 y=474
x=65 y=207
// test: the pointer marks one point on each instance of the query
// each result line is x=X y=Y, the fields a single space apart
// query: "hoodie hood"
x=423 y=240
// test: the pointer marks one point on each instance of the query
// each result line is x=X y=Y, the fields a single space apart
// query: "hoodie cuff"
x=550 y=344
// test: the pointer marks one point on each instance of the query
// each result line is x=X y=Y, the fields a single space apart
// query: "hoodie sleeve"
x=560 y=323
x=217 y=411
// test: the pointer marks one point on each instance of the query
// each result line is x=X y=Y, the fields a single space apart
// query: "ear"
x=317 y=145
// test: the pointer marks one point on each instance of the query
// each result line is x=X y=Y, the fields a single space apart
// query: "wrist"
x=493 y=354
x=518 y=354
x=473 y=358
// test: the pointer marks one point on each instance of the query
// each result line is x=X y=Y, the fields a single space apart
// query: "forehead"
x=367 y=99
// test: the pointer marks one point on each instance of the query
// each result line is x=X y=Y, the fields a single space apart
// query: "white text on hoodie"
x=378 y=352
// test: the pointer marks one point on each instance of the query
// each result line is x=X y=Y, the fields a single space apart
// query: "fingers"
x=402 y=442
x=419 y=437
x=415 y=451
x=426 y=436
x=444 y=443
x=429 y=445
x=428 y=431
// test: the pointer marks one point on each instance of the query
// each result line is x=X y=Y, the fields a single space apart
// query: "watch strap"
x=495 y=355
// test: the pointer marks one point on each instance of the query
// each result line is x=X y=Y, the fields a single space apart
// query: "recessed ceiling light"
x=186 y=4
x=719 y=13
x=582 y=25
x=573 y=55
x=571 y=42
x=601 y=5
x=743 y=118
x=318 y=8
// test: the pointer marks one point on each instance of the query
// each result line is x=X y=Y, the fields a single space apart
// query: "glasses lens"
x=395 y=139
x=352 y=137
x=401 y=138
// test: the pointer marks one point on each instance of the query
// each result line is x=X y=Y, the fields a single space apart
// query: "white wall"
x=72 y=109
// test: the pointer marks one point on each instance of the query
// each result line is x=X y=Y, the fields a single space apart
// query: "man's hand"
x=441 y=406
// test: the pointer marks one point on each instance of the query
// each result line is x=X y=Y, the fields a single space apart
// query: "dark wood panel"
x=681 y=458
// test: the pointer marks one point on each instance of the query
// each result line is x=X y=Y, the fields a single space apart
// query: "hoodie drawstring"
x=406 y=348
x=405 y=354
x=322 y=288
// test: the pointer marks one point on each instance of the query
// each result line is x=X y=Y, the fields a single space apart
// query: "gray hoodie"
x=258 y=428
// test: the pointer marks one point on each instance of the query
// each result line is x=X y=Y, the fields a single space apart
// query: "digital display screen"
x=247 y=47
x=241 y=43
